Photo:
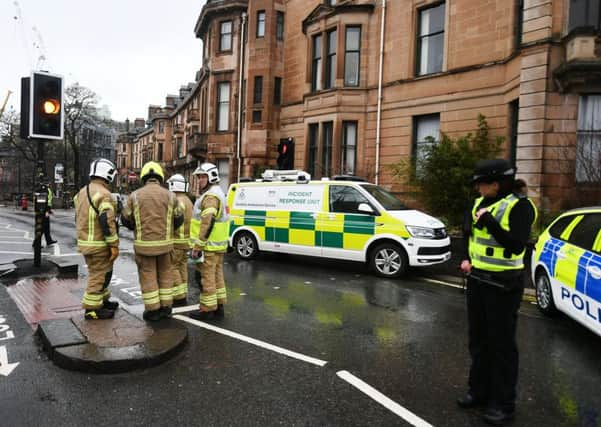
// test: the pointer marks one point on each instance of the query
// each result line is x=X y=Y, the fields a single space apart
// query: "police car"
x=340 y=218
x=566 y=267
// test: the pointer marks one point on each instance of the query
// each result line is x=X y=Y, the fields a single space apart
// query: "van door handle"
x=594 y=271
x=561 y=255
x=314 y=215
x=331 y=216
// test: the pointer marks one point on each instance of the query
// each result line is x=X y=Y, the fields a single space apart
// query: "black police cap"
x=492 y=170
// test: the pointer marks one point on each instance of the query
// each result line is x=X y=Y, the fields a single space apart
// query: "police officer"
x=97 y=238
x=209 y=234
x=153 y=213
x=181 y=241
x=496 y=231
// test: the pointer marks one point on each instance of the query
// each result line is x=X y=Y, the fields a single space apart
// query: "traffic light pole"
x=39 y=208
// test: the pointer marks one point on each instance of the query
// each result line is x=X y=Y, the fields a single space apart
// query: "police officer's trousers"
x=213 y=285
x=492 y=323
x=156 y=280
x=100 y=272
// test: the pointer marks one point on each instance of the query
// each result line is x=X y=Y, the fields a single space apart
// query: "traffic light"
x=286 y=154
x=42 y=114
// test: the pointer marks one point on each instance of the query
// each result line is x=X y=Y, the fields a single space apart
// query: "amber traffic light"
x=42 y=106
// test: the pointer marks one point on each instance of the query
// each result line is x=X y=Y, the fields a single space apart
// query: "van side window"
x=346 y=199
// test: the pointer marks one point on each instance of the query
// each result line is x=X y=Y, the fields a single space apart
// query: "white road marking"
x=57 y=249
x=253 y=341
x=16 y=253
x=5 y=367
x=440 y=282
x=388 y=403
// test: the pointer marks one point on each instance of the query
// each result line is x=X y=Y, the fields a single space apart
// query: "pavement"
x=49 y=297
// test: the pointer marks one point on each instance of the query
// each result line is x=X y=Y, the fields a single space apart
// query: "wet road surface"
x=404 y=338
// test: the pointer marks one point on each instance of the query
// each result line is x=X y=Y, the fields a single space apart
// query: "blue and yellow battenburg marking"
x=574 y=276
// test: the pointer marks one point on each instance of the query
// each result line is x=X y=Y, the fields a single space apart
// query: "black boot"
x=220 y=312
x=180 y=302
x=497 y=417
x=470 y=401
x=152 y=315
x=99 y=313
x=165 y=312
x=202 y=315
x=111 y=305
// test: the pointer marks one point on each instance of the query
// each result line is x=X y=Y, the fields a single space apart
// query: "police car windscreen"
x=385 y=198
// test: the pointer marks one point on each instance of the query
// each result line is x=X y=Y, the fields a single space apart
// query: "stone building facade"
x=360 y=84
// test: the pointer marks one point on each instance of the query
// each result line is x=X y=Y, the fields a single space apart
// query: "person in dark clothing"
x=496 y=232
x=46 y=218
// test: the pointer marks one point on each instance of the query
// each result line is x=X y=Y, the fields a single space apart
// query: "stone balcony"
x=198 y=144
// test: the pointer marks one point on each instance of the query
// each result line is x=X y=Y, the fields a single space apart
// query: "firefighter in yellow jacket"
x=97 y=238
x=181 y=241
x=209 y=234
x=153 y=213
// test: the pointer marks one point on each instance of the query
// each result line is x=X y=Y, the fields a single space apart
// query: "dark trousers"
x=492 y=322
x=46 y=229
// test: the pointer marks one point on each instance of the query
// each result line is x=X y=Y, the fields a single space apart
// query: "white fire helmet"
x=177 y=183
x=210 y=170
x=103 y=168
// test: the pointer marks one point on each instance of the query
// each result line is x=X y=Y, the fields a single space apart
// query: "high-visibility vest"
x=218 y=238
x=50 y=196
x=485 y=252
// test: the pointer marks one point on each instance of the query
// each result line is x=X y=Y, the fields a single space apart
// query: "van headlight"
x=421 y=232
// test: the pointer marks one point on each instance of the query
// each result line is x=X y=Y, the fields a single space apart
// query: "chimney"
x=139 y=123
x=126 y=125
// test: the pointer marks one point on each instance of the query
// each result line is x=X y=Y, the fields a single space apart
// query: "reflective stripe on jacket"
x=485 y=252
x=206 y=208
x=181 y=238
x=152 y=210
x=90 y=238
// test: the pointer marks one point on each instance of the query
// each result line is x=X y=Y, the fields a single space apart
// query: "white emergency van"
x=341 y=218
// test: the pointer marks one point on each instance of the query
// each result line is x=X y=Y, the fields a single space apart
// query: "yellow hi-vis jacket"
x=181 y=239
x=485 y=252
x=90 y=236
x=209 y=210
x=152 y=209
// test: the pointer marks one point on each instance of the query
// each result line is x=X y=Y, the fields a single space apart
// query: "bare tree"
x=9 y=132
x=81 y=105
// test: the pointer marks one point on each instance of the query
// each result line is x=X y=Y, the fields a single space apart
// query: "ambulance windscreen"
x=384 y=197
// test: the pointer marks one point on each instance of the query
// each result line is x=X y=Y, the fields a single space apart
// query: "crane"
x=40 y=46
x=4 y=103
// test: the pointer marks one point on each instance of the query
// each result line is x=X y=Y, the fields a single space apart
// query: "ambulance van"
x=342 y=218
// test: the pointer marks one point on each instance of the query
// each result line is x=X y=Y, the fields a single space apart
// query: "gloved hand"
x=114 y=253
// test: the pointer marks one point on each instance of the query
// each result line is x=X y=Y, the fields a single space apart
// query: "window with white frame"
x=430 y=40
x=223 y=165
x=426 y=133
x=352 y=56
x=349 y=147
x=588 y=145
x=223 y=106
x=225 y=36
x=331 y=40
x=260 y=24
x=316 y=63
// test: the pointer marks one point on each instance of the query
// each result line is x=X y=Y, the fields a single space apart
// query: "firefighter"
x=496 y=231
x=181 y=241
x=97 y=238
x=208 y=234
x=153 y=213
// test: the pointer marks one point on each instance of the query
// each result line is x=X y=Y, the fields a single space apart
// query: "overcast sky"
x=130 y=52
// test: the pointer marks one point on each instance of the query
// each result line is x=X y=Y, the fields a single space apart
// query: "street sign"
x=58 y=173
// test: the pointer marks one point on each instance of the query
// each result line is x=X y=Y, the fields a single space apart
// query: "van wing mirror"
x=365 y=208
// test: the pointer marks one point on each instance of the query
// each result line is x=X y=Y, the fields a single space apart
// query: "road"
x=304 y=342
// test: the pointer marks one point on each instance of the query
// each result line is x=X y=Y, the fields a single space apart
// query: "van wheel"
x=245 y=245
x=544 y=294
x=388 y=260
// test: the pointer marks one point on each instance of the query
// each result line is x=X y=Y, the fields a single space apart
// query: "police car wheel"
x=245 y=245
x=388 y=260
x=544 y=294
